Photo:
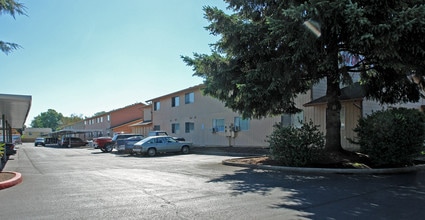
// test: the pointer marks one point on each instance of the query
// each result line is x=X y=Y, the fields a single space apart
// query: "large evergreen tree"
x=266 y=56
x=10 y=7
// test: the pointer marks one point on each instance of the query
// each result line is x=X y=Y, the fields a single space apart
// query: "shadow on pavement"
x=335 y=196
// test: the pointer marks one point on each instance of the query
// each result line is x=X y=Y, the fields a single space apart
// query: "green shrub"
x=296 y=146
x=392 y=137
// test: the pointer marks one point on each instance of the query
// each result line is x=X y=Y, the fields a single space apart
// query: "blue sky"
x=86 y=56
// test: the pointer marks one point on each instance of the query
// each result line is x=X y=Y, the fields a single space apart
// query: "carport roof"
x=15 y=109
x=73 y=131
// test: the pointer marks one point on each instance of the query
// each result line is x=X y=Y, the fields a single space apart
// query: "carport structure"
x=70 y=133
x=14 y=111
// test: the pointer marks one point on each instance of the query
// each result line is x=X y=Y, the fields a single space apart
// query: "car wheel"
x=151 y=152
x=108 y=147
x=185 y=150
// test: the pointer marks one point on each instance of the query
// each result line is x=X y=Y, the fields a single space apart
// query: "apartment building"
x=205 y=121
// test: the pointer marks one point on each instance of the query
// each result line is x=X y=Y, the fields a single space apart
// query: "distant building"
x=30 y=134
x=115 y=121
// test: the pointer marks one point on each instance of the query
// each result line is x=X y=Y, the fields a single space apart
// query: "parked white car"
x=156 y=144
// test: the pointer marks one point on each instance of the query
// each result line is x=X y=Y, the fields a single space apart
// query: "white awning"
x=15 y=109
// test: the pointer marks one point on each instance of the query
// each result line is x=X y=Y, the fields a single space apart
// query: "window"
x=170 y=140
x=152 y=141
x=294 y=120
x=175 y=101
x=156 y=106
x=189 y=127
x=156 y=127
x=101 y=119
x=241 y=124
x=175 y=128
x=218 y=125
x=108 y=117
x=189 y=98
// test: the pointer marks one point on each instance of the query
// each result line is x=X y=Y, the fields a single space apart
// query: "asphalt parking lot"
x=83 y=183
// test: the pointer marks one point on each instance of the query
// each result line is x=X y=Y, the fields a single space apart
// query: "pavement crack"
x=32 y=162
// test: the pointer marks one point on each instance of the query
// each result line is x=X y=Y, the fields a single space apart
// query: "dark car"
x=75 y=142
x=127 y=144
x=119 y=140
x=10 y=149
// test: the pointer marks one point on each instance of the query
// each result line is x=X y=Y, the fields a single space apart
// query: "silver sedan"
x=156 y=144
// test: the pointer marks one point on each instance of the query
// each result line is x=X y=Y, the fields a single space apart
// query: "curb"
x=11 y=182
x=329 y=170
x=224 y=153
x=206 y=151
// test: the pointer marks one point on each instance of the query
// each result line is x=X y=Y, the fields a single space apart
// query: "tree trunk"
x=333 y=120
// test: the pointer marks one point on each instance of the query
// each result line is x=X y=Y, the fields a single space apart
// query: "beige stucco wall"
x=201 y=113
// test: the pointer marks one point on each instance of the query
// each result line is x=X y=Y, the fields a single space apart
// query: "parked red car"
x=101 y=142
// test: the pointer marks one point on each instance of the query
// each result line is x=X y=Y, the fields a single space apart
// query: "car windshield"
x=134 y=138
x=146 y=140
